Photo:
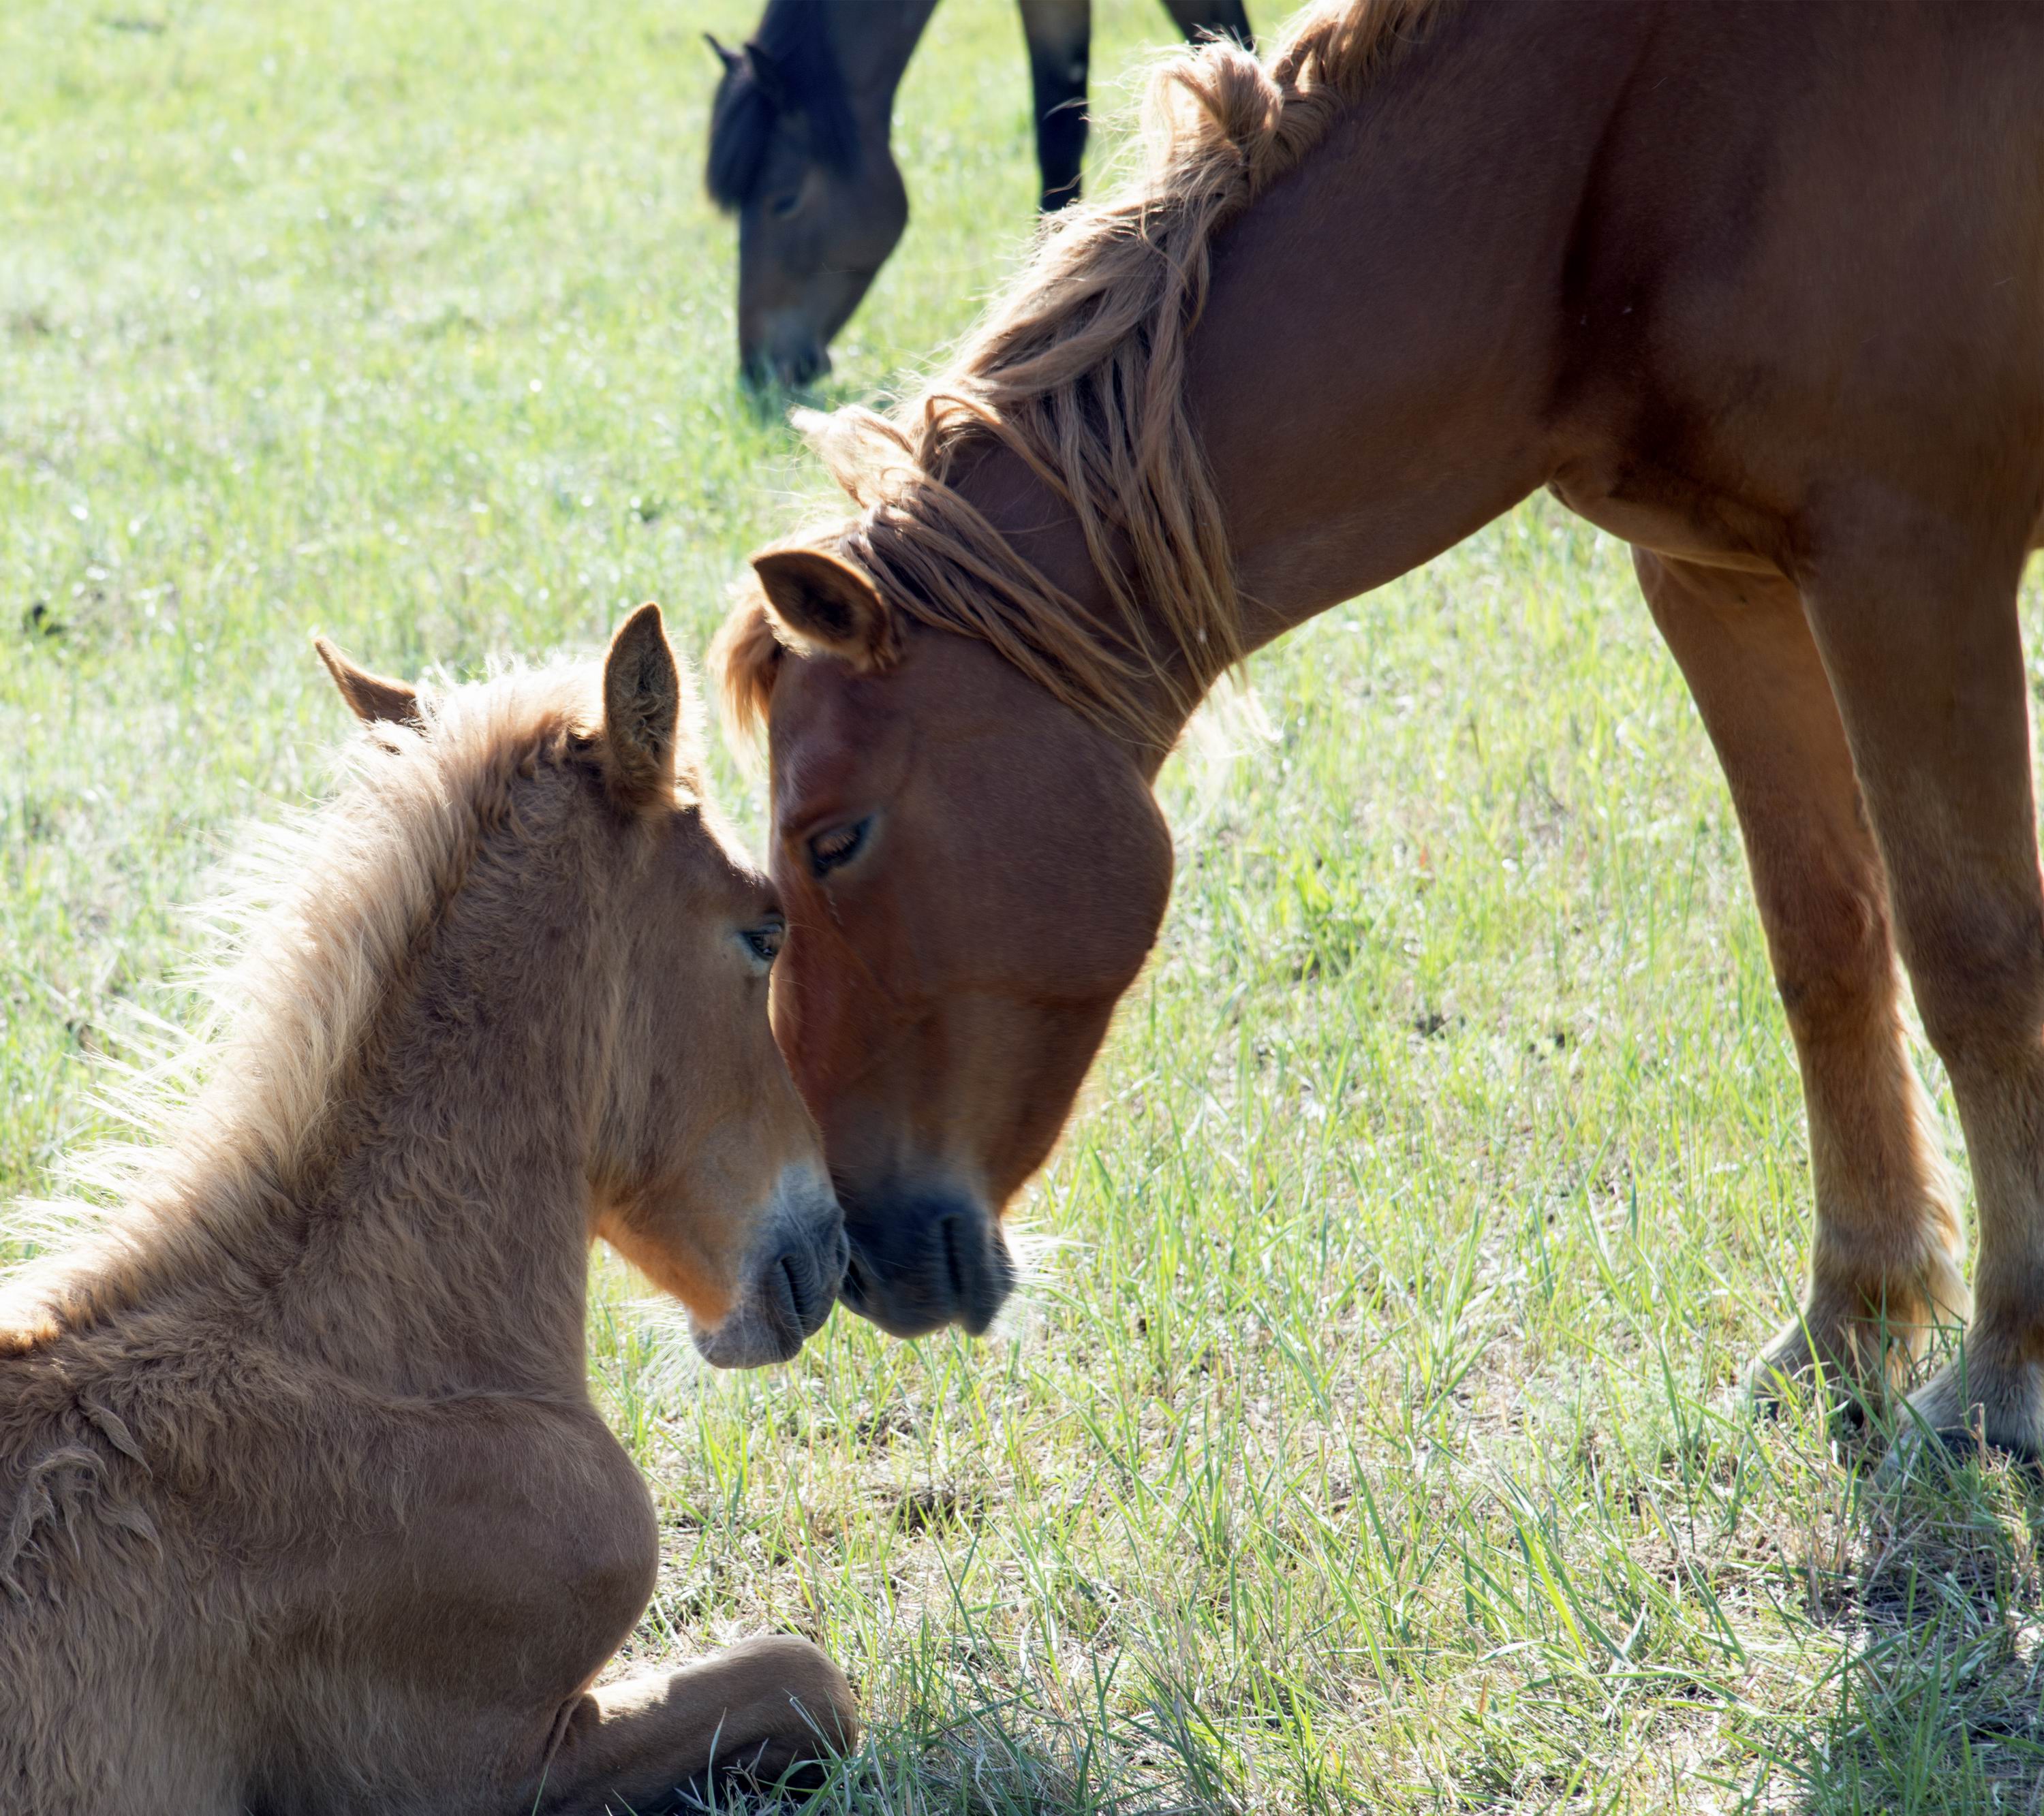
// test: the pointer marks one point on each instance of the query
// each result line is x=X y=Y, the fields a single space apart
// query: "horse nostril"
x=954 y=1257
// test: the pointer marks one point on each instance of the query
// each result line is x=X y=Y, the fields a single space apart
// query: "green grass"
x=1367 y=1440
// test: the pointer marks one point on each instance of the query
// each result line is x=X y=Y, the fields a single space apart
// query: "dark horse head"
x=819 y=200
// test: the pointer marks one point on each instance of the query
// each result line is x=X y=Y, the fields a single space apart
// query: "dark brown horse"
x=799 y=151
x=1759 y=288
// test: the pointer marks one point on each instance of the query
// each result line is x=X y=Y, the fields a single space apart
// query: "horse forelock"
x=795 y=42
x=321 y=921
x=741 y=118
x=743 y=658
x=1078 y=368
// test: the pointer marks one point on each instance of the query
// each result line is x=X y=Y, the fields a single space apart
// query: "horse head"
x=973 y=874
x=819 y=199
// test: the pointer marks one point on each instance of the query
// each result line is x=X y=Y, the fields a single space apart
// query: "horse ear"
x=643 y=700
x=766 y=73
x=732 y=62
x=827 y=601
x=373 y=699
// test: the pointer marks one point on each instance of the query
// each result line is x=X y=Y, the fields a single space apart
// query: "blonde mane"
x=1078 y=369
x=324 y=920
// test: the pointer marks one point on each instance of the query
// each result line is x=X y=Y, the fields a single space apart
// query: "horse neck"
x=872 y=43
x=1370 y=379
x=439 y=1232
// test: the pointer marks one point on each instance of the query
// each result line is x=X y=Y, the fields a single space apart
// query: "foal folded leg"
x=760 y=1707
x=1919 y=635
x=1885 y=1250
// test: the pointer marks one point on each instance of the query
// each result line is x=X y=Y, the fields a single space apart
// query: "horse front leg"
x=760 y=1707
x=1917 y=621
x=1060 y=36
x=1885 y=1250
x=1200 y=19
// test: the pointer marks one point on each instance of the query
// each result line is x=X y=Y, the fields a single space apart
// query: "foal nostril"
x=804 y=1283
x=789 y=1288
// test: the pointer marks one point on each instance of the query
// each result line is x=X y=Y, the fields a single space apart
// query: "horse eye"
x=781 y=206
x=763 y=941
x=831 y=851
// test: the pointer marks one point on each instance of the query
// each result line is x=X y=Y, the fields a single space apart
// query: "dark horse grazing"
x=798 y=150
x=1759 y=288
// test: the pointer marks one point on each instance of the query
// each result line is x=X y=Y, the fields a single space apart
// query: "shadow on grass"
x=1936 y=1704
x=946 y=1758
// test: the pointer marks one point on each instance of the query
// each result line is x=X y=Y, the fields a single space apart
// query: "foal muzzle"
x=789 y=1289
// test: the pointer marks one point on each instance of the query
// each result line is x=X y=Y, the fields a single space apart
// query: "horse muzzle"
x=789 y=1290
x=790 y=364
x=926 y=1260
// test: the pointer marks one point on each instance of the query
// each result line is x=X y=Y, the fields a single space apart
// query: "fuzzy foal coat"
x=304 y=1506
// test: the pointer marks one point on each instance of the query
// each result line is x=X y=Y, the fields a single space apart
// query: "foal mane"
x=1078 y=368
x=325 y=919
x=790 y=65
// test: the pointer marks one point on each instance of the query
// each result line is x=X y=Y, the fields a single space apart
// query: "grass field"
x=1367 y=1439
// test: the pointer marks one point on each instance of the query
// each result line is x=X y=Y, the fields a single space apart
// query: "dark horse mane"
x=790 y=65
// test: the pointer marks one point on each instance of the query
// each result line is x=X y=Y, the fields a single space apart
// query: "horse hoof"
x=1791 y=1369
x=1922 y=1457
x=1862 y=1362
x=1972 y=1410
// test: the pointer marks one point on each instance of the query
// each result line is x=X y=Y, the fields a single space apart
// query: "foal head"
x=600 y=871
x=820 y=203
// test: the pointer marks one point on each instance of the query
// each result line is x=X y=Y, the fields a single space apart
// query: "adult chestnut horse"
x=800 y=152
x=303 y=1504
x=1759 y=288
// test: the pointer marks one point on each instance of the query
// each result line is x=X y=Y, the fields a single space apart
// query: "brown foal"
x=1759 y=288
x=304 y=1506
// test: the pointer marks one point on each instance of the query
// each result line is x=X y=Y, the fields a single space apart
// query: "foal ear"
x=373 y=699
x=828 y=602
x=731 y=59
x=643 y=699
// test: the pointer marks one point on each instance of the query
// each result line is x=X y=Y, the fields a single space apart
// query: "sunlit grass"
x=1366 y=1439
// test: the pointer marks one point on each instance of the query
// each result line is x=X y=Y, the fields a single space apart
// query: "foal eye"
x=833 y=850
x=781 y=206
x=763 y=941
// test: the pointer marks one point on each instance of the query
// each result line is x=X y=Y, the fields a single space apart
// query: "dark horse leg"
x=1884 y=1254
x=1915 y=610
x=1200 y=19
x=1060 y=35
